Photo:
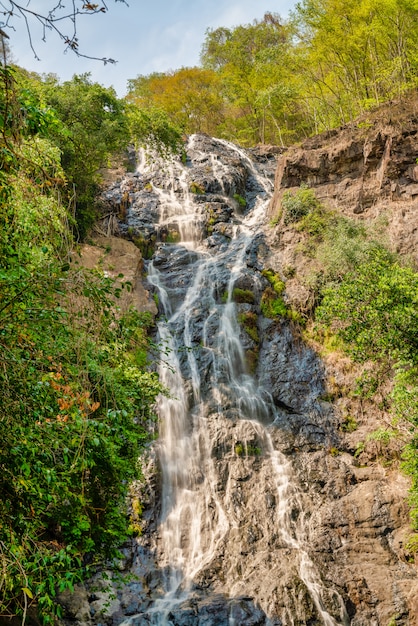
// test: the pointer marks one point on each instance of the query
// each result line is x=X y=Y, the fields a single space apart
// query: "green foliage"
x=254 y=64
x=412 y=544
x=76 y=401
x=93 y=126
x=152 y=128
x=349 y=424
x=354 y=55
x=317 y=222
x=241 y=201
x=243 y=295
x=374 y=310
x=272 y=305
x=244 y=449
x=345 y=245
x=274 y=280
x=248 y=321
x=276 y=81
x=145 y=244
x=197 y=188
x=173 y=236
x=74 y=414
x=190 y=97
x=377 y=305
x=298 y=204
x=338 y=246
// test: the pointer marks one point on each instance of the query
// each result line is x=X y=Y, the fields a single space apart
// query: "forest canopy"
x=277 y=81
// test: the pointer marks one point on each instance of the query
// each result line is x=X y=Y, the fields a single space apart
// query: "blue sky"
x=144 y=37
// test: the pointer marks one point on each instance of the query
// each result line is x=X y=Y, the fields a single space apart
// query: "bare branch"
x=57 y=20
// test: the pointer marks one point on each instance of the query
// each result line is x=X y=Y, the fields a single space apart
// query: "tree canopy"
x=277 y=81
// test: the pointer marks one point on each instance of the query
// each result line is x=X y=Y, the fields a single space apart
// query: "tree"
x=354 y=54
x=255 y=71
x=191 y=97
x=76 y=398
x=91 y=127
x=57 y=19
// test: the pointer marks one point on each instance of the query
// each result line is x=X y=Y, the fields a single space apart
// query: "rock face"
x=367 y=168
x=256 y=513
x=121 y=260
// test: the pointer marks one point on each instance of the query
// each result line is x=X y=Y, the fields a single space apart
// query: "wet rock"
x=273 y=517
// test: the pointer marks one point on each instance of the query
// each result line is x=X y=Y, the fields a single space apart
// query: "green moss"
x=248 y=321
x=241 y=201
x=239 y=449
x=295 y=316
x=274 y=280
x=243 y=296
x=272 y=305
x=247 y=449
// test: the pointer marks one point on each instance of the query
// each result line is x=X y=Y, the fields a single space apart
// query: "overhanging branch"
x=59 y=19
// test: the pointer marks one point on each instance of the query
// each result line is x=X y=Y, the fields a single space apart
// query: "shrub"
x=297 y=204
x=377 y=306
x=272 y=305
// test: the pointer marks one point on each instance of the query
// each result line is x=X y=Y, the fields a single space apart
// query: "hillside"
x=367 y=169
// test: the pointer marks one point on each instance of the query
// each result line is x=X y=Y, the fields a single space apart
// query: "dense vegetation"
x=277 y=81
x=77 y=400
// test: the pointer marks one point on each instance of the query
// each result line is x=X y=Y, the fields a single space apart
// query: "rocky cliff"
x=366 y=169
x=256 y=509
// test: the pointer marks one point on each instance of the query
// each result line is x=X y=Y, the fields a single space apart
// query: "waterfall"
x=232 y=541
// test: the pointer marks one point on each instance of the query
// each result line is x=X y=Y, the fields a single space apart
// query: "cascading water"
x=225 y=486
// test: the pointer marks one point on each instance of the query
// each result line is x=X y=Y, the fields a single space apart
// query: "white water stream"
x=196 y=516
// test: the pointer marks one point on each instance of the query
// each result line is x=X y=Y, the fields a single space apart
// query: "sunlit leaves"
x=190 y=97
x=377 y=305
x=76 y=400
x=354 y=55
